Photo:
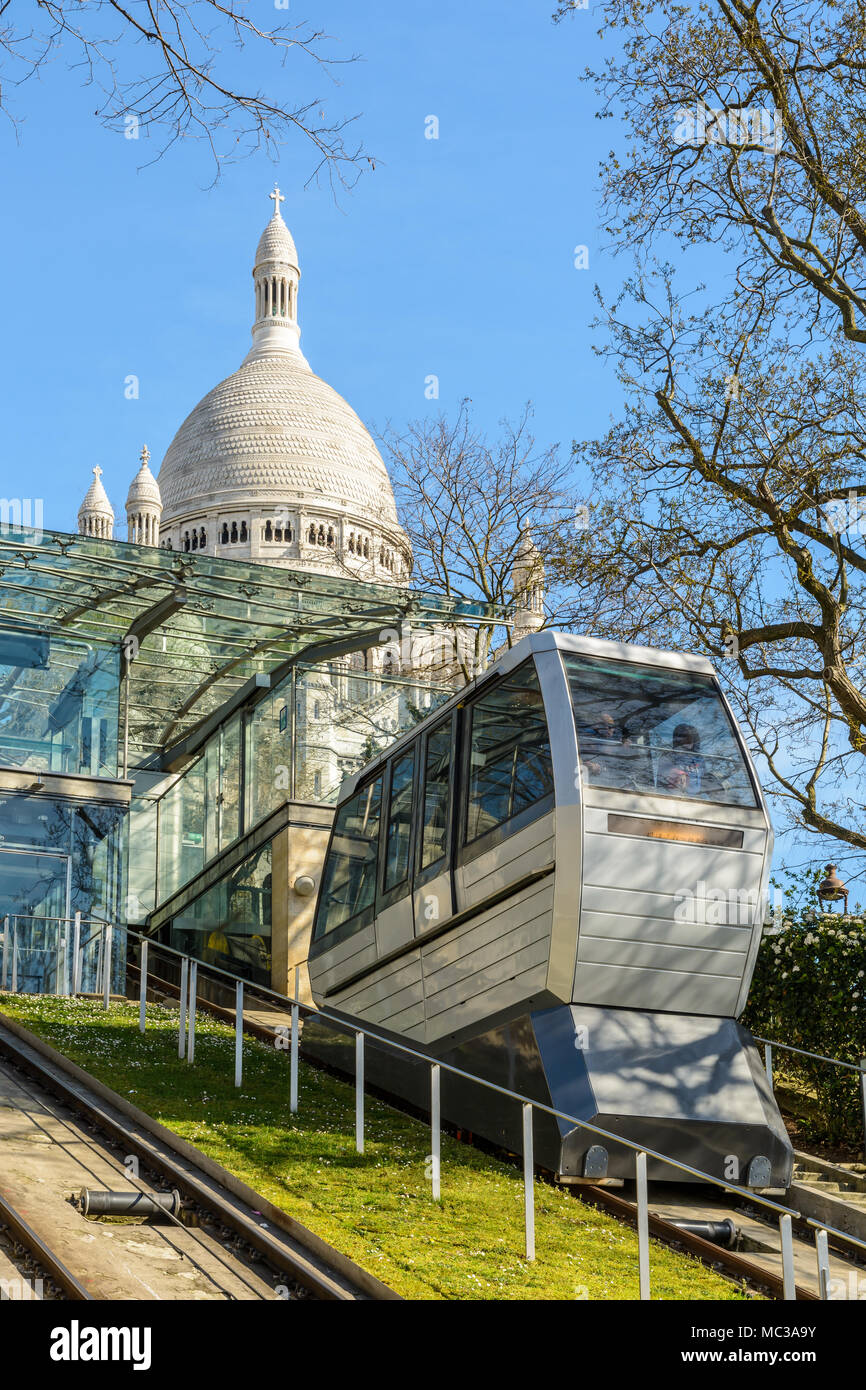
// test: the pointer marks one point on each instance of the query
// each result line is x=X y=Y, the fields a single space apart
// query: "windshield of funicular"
x=657 y=731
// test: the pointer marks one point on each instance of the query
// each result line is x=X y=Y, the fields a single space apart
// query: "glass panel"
x=651 y=730
x=437 y=775
x=510 y=763
x=349 y=878
x=58 y=705
x=230 y=924
x=230 y=782
x=398 y=835
x=268 y=756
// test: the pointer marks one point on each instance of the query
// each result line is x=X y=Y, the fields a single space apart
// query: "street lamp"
x=831 y=889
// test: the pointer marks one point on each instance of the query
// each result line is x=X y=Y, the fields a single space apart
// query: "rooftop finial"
x=278 y=198
x=145 y=455
x=97 y=472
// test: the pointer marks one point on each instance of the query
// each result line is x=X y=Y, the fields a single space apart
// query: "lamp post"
x=831 y=889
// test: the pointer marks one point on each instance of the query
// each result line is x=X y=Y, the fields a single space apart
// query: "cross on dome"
x=278 y=198
x=97 y=472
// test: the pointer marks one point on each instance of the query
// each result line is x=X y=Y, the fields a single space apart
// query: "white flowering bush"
x=809 y=990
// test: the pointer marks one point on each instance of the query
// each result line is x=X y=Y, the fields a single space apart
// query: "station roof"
x=204 y=626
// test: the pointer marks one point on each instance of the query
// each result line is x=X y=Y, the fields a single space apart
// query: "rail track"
x=755 y=1264
x=757 y=1267
x=64 y=1132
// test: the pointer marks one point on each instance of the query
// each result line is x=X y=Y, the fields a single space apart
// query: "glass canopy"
x=198 y=628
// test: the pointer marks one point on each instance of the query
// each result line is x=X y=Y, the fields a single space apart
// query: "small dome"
x=96 y=501
x=276 y=244
x=144 y=489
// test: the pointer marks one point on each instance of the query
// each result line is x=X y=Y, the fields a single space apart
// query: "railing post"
x=61 y=976
x=193 y=989
x=768 y=1063
x=863 y=1099
x=142 y=988
x=823 y=1257
x=789 y=1288
x=106 y=966
x=76 y=955
x=239 y=1032
x=14 y=955
x=359 y=1092
x=6 y=931
x=528 y=1183
x=293 y=1047
x=181 y=1036
x=435 y=1131
x=642 y=1225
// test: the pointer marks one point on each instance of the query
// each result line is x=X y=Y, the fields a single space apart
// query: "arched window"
x=367 y=548
x=195 y=540
x=321 y=536
x=244 y=533
x=234 y=533
x=312 y=535
x=269 y=532
x=186 y=540
x=202 y=538
x=330 y=536
x=352 y=543
x=224 y=534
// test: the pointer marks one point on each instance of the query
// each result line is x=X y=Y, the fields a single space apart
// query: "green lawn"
x=375 y=1207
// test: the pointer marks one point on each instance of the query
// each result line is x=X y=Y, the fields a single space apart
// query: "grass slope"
x=375 y=1207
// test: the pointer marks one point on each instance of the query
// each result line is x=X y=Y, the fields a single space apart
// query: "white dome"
x=273 y=432
x=96 y=501
x=273 y=465
x=276 y=243
x=144 y=489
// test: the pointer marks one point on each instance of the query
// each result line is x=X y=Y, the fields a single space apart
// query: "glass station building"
x=174 y=728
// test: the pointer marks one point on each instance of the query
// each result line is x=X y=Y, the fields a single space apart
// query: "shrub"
x=809 y=990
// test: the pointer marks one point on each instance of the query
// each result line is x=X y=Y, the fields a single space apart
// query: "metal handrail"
x=186 y=1047
x=818 y=1056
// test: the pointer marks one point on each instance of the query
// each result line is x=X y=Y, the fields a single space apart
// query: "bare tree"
x=728 y=514
x=161 y=67
x=466 y=504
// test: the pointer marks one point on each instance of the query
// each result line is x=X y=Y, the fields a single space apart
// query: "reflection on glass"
x=58 y=705
x=230 y=924
x=437 y=773
x=646 y=729
x=510 y=763
x=398 y=831
x=349 y=878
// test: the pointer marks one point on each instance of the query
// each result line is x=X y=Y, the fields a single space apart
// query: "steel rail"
x=50 y=1262
x=285 y=1255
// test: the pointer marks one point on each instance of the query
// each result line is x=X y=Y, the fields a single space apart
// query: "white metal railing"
x=188 y=992
x=40 y=952
x=858 y=1069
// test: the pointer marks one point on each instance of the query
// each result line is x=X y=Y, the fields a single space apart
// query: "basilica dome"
x=273 y=465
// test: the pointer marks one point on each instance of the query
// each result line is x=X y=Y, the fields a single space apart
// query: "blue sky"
x=454 y=257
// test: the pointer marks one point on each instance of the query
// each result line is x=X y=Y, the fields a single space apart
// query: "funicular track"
x=731 y=1262
x=222 y=1236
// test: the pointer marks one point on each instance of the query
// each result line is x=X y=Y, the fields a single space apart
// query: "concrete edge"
x=316 y=1245
x=828 y=1207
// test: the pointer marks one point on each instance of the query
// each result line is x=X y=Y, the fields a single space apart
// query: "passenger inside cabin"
x=609 y=756
x=682 y=770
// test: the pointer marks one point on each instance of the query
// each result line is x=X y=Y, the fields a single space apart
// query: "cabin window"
x=510 y=768
x=653 y=730
x=349 y=879
x=437 y=774
x=399 y=827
